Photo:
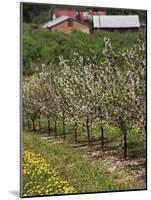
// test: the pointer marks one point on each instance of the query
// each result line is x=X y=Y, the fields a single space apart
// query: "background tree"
x=126 y=87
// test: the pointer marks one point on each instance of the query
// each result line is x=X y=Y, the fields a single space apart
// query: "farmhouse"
x=66 y=24
x=116 y=22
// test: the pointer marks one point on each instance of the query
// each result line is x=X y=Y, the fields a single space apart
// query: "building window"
x=70 y=23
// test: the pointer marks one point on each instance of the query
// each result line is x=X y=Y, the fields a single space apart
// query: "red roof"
x=90 y=13
x=69 y=13
x=74 y=14
x=97 y=13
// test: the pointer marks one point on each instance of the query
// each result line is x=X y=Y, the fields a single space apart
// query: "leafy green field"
x=73 y=166
x=41 y=46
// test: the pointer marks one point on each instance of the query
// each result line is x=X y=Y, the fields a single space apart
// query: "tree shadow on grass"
x=136 y=150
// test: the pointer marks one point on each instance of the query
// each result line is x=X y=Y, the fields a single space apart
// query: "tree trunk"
x=39 y=123
x=124 y=132
x=64 y=130
x=125 y=145
x=75 y=132
x=28 y=124
x=48 y=126
x=33 y=122
x=88 y=130
x=102 y=138
x=55 y=128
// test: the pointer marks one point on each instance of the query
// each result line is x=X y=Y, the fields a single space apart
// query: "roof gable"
x=55 y=21
x=60 y=20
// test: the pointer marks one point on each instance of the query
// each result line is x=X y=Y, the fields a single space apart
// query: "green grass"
x=136 y=144
x=113 y=138
x=40 y=179
x=72 y=166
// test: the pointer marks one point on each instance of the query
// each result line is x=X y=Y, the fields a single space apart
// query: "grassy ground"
x=40 y=178
x=113 y=138
x=87 y=169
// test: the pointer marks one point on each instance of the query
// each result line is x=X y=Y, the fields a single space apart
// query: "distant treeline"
x=40 y=13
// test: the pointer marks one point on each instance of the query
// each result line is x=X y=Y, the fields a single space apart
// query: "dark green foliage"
x=31 y=11
x=41 y=46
